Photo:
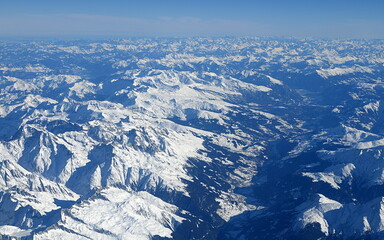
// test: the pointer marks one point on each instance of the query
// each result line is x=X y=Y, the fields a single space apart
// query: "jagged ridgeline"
x=192 y=138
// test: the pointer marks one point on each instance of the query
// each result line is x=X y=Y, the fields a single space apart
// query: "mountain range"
x=192 y=138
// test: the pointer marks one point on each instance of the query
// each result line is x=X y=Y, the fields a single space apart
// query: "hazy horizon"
x=118 y=18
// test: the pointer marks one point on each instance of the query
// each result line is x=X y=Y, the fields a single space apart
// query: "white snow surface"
x=13 y=231
x=313 y=212
x=331 y=72
x=275 y=81
x=115 y=213
x=348 y=219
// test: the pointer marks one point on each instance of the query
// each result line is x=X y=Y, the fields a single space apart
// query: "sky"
x=171 y=18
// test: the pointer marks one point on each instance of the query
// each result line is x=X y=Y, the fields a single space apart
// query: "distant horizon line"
x=74 y=37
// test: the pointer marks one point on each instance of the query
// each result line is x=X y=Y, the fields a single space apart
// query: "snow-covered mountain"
x=195 y=138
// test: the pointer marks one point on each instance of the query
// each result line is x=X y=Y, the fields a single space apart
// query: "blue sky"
x=286 y=18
